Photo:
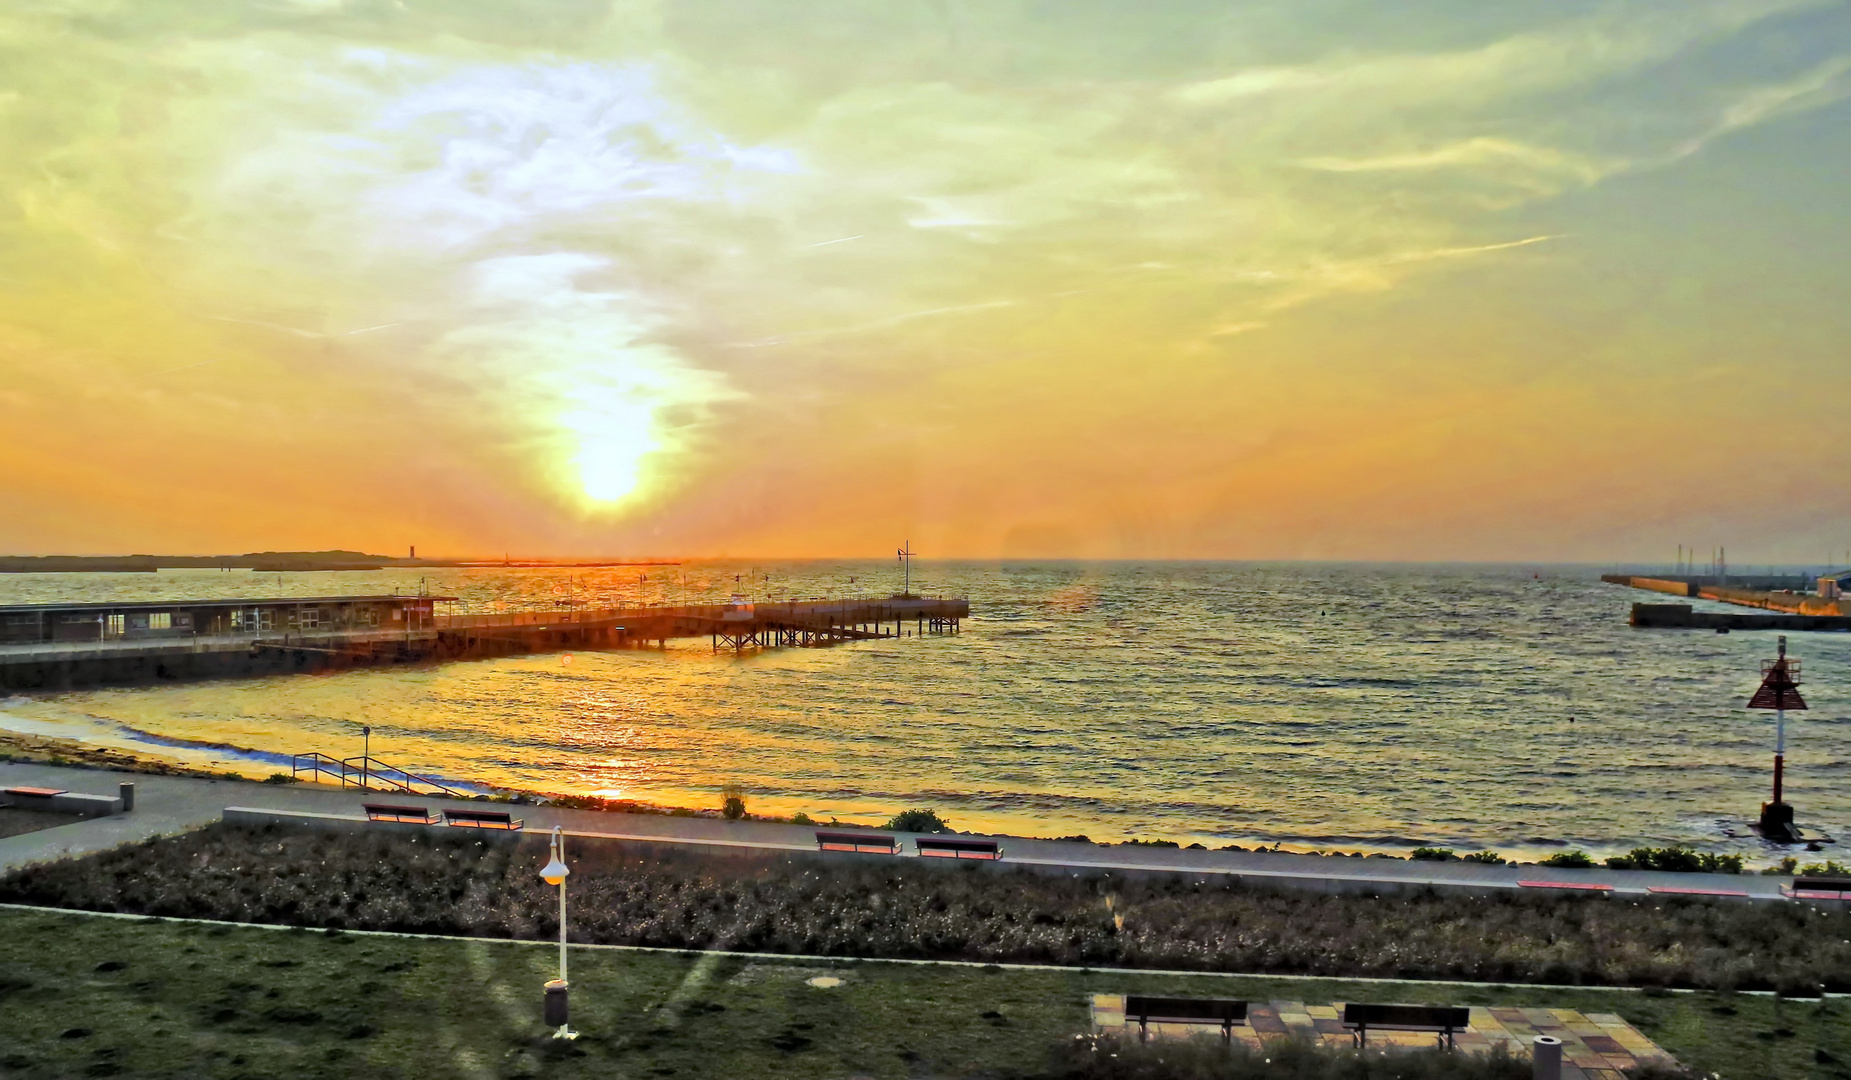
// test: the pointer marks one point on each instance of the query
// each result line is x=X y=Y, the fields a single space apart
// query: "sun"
x=612 y=435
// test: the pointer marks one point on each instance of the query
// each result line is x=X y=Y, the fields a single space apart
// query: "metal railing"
x=368 y=773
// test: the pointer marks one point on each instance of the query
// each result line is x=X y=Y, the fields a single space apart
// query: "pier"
x=70 y=646
x=1797 y=610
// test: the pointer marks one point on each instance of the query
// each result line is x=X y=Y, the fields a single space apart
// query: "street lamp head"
x=554 y=872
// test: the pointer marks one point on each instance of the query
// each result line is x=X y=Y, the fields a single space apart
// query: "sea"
x=1308 y=706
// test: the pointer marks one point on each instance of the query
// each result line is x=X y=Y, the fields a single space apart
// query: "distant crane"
x=906 y=563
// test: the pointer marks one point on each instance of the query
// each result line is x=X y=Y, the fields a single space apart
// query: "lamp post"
x=554 y=873
x=366 y=754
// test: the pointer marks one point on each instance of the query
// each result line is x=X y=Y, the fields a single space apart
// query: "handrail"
x=316 y=766
x=361 y=771
x=371 y=768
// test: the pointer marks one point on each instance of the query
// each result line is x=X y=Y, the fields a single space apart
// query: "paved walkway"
x=165 y=805
x=1595 y=1046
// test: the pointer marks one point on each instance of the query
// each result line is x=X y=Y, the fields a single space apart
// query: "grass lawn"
x=85 y=995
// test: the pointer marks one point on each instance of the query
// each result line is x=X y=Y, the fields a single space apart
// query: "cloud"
x=625 y=262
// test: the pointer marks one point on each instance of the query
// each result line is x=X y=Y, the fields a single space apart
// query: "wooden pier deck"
x=738 y=626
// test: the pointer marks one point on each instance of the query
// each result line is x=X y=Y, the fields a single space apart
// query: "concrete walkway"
x=166 y=805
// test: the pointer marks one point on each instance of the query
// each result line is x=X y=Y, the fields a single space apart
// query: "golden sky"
x=1286 y=279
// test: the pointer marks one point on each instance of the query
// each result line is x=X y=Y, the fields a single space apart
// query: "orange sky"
x=1560 y=283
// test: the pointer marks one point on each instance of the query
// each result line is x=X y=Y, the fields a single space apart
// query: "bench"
x=481 y=819
x=868 y=842
x=1442 y=1020
x=1816 y=887
x=61 y=801
x=959 y=849
x=1688 y=890
x=1167 y=1010
x=35 y=792
x=417 y=815
x=1584 y=886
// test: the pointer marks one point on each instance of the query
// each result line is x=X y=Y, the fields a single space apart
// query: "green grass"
x=85 y=995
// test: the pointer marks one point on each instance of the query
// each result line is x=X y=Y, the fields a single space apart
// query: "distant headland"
x=277 y=562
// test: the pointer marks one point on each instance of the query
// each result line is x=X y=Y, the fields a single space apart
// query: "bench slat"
x=1183 y=1010
x=38 y=792
x=1591 y=886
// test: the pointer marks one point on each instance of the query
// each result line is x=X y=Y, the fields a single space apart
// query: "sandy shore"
x=17 y=746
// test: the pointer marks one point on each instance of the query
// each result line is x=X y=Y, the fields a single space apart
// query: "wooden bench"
x=867 y=842
x=1817 y=887
x=35 y=792
x=1582 y=886
x=1442 y=1020
x=1167 y=1010
x=958 y=849
x=481 y=819
x=1690 y=890
x=416 y=815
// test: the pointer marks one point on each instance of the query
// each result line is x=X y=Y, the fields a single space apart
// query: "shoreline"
x=52 y=750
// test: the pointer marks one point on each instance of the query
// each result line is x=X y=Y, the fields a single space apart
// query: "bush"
x=1571 y=859
x=1786 y=865
x=281 y=778
x=1093 y=1057
x=732 y=802
x=801 y=818
x=1433 y=854
x=1828 y=868
x=923 y=821
x=759 y=901
x=1489 y=858
x=1676 y=859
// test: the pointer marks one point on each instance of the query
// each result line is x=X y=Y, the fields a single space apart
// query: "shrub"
x=1098 y=1057
x=801 y=818
x=1489 y=858
x=1575 y=858
x=1786 y=865
x=924 y=821
x=765 y=901
x=1207 y=1058
x=1828 y=868
x=1677 y=859
x=732 y=802
x=1433 y=854
x=280 y=778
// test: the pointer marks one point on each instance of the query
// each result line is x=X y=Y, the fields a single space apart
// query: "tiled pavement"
x=1595 y=1046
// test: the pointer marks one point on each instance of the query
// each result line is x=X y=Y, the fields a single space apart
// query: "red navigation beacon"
x=1779 y=691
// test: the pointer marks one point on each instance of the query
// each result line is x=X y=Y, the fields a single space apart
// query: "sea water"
x=1343 y=707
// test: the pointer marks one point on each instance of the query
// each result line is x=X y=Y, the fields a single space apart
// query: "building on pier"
x=149 y=620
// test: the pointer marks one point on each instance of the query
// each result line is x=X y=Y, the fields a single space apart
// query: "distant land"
x=274 y=562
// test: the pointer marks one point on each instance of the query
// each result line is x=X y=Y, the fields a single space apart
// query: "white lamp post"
x=554 y=873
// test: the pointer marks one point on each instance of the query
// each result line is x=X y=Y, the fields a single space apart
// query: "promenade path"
x=168 y=805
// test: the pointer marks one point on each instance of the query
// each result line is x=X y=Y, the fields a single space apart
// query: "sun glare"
x=612 y=434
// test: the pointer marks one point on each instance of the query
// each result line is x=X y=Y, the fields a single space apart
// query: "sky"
x=1284 y=279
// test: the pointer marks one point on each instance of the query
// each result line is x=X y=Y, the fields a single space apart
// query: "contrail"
x=838 y=240
x=298 y=331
